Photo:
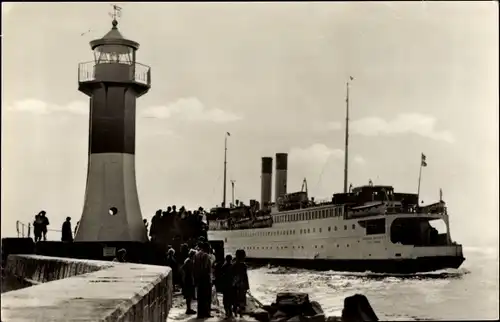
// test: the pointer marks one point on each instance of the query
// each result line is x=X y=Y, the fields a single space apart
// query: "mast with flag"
x=423 y=163
x=346 y=152
x=225 y=170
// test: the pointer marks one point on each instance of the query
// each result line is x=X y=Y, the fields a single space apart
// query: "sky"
x=274 y=76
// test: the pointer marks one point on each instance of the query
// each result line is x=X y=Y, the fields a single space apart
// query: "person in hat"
x=120 y=256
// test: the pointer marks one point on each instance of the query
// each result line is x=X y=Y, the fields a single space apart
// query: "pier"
x=86 y=290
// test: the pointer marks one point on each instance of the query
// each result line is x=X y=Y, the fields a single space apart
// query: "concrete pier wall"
x=86 y=290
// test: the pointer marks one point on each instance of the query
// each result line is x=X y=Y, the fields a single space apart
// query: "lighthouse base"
x=111 y=210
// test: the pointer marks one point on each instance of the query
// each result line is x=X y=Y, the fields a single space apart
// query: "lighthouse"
x=112 y=81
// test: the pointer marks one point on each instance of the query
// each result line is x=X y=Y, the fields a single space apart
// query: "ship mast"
x=225 y=170
x=346 y=154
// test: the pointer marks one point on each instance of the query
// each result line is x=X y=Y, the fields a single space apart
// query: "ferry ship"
x=367 y=228
x=371 y=228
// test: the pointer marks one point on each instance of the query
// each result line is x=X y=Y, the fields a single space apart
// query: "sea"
x=468 y=293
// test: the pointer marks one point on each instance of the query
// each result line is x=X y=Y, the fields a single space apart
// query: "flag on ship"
x=423 y=162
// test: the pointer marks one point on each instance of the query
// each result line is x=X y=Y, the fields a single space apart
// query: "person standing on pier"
x=203 y=280
x=67 y=234
x=188 y=285
x=240 y=282
x=172 y=263
x=76 y=227
x=37 y=227
x=155 y=225
x=45 y=223
x=225 y=281
x=146 y=224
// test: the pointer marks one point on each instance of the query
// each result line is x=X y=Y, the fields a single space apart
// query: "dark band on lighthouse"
x=113 y=119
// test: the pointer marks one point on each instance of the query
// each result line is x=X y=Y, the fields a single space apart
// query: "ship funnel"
x=281 y=176
x=266 y=182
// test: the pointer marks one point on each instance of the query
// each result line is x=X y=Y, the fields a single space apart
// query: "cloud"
x=319 y=126
x=423 y=125
x=334 y=125
x=42 y=108
x=317 y=153
x=190 y=109
x=359 y=160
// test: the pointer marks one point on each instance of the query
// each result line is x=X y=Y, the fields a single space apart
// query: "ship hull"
x=325 y=240
x=390 y=266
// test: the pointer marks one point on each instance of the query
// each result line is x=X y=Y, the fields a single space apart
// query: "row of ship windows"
x=283 y=247
x=290 y=231
x=309 y=215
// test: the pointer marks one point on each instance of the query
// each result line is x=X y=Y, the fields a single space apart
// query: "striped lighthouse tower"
x=113 y=81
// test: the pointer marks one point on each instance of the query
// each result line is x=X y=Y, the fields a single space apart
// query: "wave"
x=439 y=274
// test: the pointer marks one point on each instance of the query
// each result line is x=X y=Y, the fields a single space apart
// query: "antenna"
x=117 y=12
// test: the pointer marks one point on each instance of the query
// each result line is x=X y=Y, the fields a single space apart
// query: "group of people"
x=181 y=225
x=199 y=274
x=40 y=226
x=201 y=277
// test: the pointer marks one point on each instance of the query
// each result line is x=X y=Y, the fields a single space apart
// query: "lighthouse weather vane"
x=117 y=12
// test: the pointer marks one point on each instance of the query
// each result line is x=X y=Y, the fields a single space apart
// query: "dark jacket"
x=225 y=277
x=187 y=273
x=67 y=234
x=240 y=276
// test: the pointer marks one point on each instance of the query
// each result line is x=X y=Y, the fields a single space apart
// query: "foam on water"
x=465 y=293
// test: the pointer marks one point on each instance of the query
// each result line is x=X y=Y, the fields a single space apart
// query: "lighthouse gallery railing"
x=140 y=73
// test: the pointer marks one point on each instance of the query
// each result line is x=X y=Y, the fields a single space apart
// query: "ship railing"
x=323 y=202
